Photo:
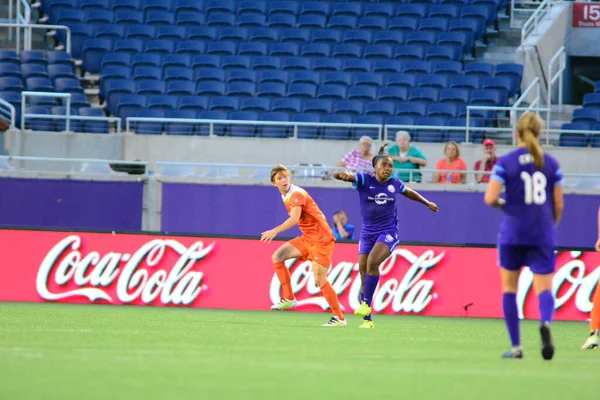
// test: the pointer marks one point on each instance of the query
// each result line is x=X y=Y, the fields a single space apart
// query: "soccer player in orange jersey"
x=592 y=341
x=315 y=244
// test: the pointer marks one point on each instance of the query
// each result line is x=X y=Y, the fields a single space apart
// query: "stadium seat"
x=180 y=128
x=336 y=133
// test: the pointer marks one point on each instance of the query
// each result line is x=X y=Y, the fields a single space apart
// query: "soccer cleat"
x=367 y=324
x=284 y=304
x=364 y=310
x=547 y=345
x=592 y=341
x=514 y=352
x=336 y=322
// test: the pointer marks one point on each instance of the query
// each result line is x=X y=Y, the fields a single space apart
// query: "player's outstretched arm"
x=292 y=221
x=414 y=195
x=345 y=176
x=559 y=203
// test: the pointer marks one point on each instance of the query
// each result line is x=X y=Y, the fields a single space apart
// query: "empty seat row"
x=35 y=57
x=267 y=8
x=40 y=84
x=59 y=125
x=35 y=70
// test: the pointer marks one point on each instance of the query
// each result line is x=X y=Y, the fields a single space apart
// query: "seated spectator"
x=406 y=156
x=342 y=230
x=452 y=162
x=361 y=158
x=487 y=162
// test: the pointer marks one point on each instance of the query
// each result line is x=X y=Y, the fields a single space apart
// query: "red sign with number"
x=586 y=15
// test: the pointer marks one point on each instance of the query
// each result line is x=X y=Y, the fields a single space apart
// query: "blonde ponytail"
x=529 y=128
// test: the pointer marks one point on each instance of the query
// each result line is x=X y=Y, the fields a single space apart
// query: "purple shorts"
x=367 y=242
x=539 y=259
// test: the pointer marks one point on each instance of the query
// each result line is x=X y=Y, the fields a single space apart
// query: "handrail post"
x=468 y=122
x=127 y=125
x=380 y=133
x=295 y=131
x=18 y=29
x=23 y=97
x=68 y=110
x=211 y=129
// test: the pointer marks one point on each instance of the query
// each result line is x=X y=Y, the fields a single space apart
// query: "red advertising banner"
x=77 y=267
x=586 y=15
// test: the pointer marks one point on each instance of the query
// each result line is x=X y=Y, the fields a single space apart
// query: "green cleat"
x=284 y=304
x=367 y=325
x=363 y=311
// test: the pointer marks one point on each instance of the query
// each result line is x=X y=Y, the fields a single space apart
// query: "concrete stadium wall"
x=243 y=150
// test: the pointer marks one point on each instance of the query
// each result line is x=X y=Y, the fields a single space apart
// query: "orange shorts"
x=316 y=252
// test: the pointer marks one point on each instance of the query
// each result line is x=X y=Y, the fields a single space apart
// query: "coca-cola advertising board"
x=237 y=274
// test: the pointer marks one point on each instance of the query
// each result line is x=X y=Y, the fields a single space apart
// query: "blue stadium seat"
x=337 y=78
x=100 y=17
x=287 y=105
x=417 y=67
x=213 y=6
x=424 y=94
x=284 y=50
x=39 y=85
x=430 y=135
x=34 y=57
x=356 y=65
x=362 y=93
x=465 y=82
x=205 y=33
x=281 y=21
x=188 y=6
x=267 y=35
x=347 y=51
x=127 y=5
x=348 y=107
x=162 y=102
x=381 y=108
x=342 y=22
x=378 y=52
x=461 y=40
x=274 y=131
x=358 y=37
x=271 y=89
x=233 y=34
x=147 y=73
x=220 y=19
x=114 y=89
x=175 y=33
x=422 y=38
x=252 y=21
x=129 y=46
x=241 y=75
x=241 y=89
x=203 y=129
x=412 y=10
x=352 y=9
x=466 y=25
x=110 y=31
x=368 y=79
x=180 y=128
x=9 y=56
x=386 y=10
x=193 y=103
x=371 y=132
x=160 y=46
x=459 y=136
x=141 y=32
x=79 y=34
x=60 y=125
x=129 y=17
x=487 y=97
x=146 y=60
x=179 y=88
x=296 y=64
x=399 y=120
x=407 y=53
x=242 y=130
x=11 y=84
x=446 y=11
x=157 y=5
x=150 y=127
x=177 y=60
x=512 y=71
x=443 y=53
x=305 y=77
x=315 y=50
x=160 y=18
x=129 y=105
x=443 y=110
x=458 y=96
x=222 y=48
x=302 y=91
x=402 y=79
x=412 y=109
x=589 y=100
x=38 y=124
x=572 y=139
x=393 y=93
x=112 y=60
x=372 y=23
x=210 y=88
x=327 y=36
x=336 y=133
x=206 y=61
x=317 y=106
x=389 y=38
x=327 y=65
x=284 y=8
x=224 y=103
x=54 y=7
x=252 y=49
x=252 y=7
x=235 y=62
x=434 y=24
x=312 y=22
x=597 y=87
x=275 y=76
x=450 y=68
x=501 y=83
x=295 y=35
x=434 y=81
x=26 y=70
x=586 y=115
x=191 y=19
x=93 y=52
x=69 y=17
x=174 y=73
x=481 y=69
x=255 y=104
x=307 y=132
x=68 y=85
x=404 y=24
x=315 y=8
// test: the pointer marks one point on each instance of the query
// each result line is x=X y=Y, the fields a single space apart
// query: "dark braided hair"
x=382 y=153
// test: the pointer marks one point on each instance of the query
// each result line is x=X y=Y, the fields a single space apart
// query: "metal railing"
x=561 y=57
x=26 y=45
x=9 y=111
x=538 y=14
x=497 y=108
x=67 y=116
x=535 y=85
x=79 y=165
x=212 y=122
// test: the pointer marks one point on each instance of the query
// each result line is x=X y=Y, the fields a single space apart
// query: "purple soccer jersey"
x=529 y=210
x=378 y=204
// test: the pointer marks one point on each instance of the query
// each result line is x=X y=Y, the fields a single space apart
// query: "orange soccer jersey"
x=313 y=224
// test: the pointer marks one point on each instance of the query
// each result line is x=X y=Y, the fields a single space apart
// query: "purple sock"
x=546 y=303
x=511 y=317
x=370 y=286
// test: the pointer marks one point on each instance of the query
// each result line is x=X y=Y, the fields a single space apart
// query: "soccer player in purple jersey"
x=379 y=234
x=532 y=205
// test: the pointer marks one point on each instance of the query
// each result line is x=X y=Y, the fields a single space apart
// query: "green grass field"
x=51 y=351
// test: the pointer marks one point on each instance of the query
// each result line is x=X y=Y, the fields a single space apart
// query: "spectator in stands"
x=452 y=162
x=406 y=157
x=361 y=158
x=487 y=162
x=4 y=125
x=342 y=230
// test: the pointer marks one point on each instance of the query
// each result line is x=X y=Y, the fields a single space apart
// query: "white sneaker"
x=336 y=322
x=284 y=304
x=592 y=341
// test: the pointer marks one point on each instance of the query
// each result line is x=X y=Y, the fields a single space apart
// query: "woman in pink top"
x=452 y=162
